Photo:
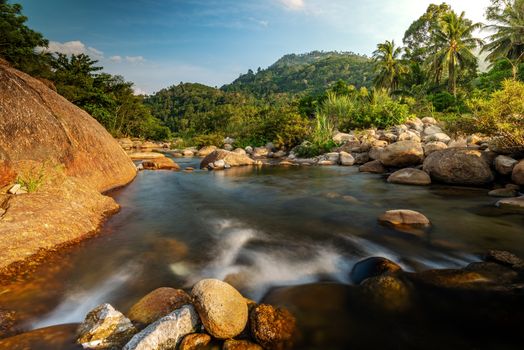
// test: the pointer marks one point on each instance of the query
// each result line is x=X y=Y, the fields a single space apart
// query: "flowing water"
x=257 y=228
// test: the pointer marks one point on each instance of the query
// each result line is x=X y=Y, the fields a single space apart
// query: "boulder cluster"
x=213 y=313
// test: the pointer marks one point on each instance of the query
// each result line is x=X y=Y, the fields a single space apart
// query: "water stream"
x=257 y=228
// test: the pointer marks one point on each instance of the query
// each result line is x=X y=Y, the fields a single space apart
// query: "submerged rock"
x=516 y=203
x=157 y=304
x=105 y=328
x=503 y=192
x=402 y=153
x=273 y=328
x=195 y=341
x=410 y=176
x=459 y=166
x=372 y=267
x=387 y=292
x=221 y=307
x=503 y=258
x=167 y=332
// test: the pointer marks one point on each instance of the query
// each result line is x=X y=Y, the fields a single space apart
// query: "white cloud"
x=75 y=47
x=116 y=59
x=135 y=59
x=138 y=91
x=293 y=4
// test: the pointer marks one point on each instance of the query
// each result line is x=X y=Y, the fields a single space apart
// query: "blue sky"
x=158 y=43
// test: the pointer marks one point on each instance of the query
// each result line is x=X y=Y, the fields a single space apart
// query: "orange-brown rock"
x=157 y=304
x=232 y=344
x=7 y=174
x=70 y=157
x=273 y=328
x=163 y=163
x=230 y=158
x=195 y=341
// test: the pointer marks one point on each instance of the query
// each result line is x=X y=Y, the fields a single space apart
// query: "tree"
x=507 y=40
x=453 y=43
x=388 y=66
x=18 y=43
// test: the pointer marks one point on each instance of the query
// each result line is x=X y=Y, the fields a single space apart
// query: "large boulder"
x=38 y=124
x=206 y=150
x=433 y=146
x=375 y=167
x=157 y=304
x=346 y=159
x=373 y=267
x=505 y=164
x=167 y=332
x=410 y=176
x=105 y=328
x=230 y=158
x=273 y=328
x=459 y=166
x=517 y=174
x=221 y=307
x=402 y=153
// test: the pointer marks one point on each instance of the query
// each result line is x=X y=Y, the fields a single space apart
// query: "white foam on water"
x=77 y=304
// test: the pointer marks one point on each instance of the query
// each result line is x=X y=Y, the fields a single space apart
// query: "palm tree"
x=453 y=43
x=389 y=67
x=507 y=40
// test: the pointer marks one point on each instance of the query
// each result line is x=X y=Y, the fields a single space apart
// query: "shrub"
x=320 y=140
x=215 y=139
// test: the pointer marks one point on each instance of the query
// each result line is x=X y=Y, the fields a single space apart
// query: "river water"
x=258 y=228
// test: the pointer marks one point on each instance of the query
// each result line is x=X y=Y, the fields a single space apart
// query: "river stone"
x=517 y=174
x=260 y=152
x=503 y=192
x=415 y=123
x=375 y=153
x=387 y=292
x=459 y=166
x=341 y=138
x=433 y=146
x=372 y=267
x=505 y=164
x=206 y=150
x=404 y=217
x=429 y=120
x=273 y=328
x=157 y=304
x=389 y=137
x=410 y=176
x=104 y=328
x=333 y=157
x=409 y=136
x=231 y=158
x=375 y=167
x=195 y=341
x=516 y=203
x=346 y=159
x=240 y=151
x=432 y=129
x=163 y=163
x=232 y=344
x=360 y=158
x=437 y=137
x=221 y=307
x=167 y=332
x=402 y=153
x=503 y=257
x=188 y=152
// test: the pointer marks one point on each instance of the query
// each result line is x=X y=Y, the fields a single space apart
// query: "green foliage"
x=208 y=140
x=500 y=115
x=312 y=73
x=388 y=66
x=446 y=102
x=320 y=140
x=33 y=178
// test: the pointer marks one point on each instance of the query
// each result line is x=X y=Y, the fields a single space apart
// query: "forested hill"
x=310 y=72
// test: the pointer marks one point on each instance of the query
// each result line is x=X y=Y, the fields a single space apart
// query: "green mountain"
x=311 y=72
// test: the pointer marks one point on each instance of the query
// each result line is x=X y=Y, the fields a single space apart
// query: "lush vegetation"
x=304 y=99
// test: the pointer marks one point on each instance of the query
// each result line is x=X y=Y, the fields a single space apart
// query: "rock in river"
x=167 y=332
x=157 y=304
x=459 y=166
x=402 y=153
x=375 y=167
x=410 y=176
x=104 y=328
x=230 y=158
x=221 y=307
x=372 y=267
x=163 y=163
x=518 y=173
x=404 y=217
x=273 y=328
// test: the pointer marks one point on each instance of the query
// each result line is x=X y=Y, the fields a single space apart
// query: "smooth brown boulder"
x=387 y=293
x=505 y=164
x=230 y=158
x=372 y=267
x=222 y=309
x=518 y=173
x=206 y=150
x=163 y=163
x=410 y=176
x=38 y=124
x=232 y=344
x=459 y=166
x=402 y=153
x=195 y=341
x=375 y=167
x=157 y=304
x=273 y=328
x=404 y=217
